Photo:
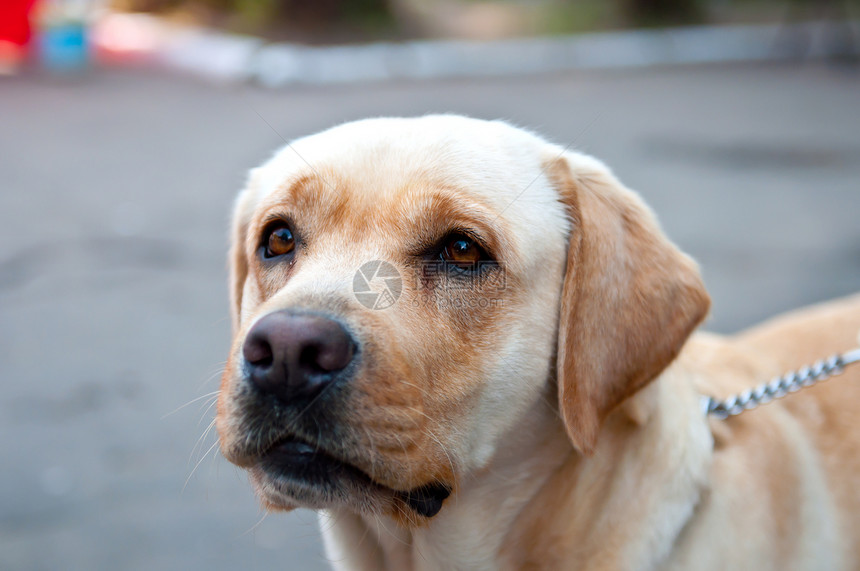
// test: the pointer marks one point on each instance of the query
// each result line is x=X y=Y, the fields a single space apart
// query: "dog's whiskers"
x=214 y=375
x=201 y=440
x=413 y=385
x=379 y=523
x=254 y=527
x=444 y=451
x=433 y=436
x=192 y=401
x=363 y=535
x=206 y=411
x=214 y=444
x=419 y=411
x=373 y=453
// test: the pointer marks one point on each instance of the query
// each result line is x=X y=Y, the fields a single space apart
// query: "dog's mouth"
x=309 y=475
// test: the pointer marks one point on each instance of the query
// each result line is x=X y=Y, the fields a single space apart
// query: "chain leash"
x=779 y=386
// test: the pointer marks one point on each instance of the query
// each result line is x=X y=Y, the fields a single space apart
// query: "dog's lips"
x=297 y=458
x=426 y=500
x=294 y=459
x=291 y=451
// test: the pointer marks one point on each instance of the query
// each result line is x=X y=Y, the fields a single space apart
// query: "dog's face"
x=396 y=288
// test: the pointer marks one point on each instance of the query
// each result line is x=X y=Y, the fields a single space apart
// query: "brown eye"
x=460 y=249
x=280 y=242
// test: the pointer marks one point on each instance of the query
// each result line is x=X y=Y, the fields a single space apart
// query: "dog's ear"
x=629 y=301
x=237 y=259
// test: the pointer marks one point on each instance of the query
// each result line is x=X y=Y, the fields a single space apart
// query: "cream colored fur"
x=588 y=454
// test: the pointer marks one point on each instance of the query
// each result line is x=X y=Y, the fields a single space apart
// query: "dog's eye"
x=460 y=249
x=280 y=242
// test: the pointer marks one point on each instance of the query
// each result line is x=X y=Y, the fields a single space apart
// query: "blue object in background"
x=64 y=47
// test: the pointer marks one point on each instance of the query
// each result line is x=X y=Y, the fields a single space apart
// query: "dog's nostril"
x=257 y=352
x=262 y=362
x=309 y=359
x=333 y=355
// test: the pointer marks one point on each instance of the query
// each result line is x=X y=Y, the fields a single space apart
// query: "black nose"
x=295 y=355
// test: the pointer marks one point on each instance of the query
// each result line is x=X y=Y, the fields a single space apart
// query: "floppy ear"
x=629 y=301
x=237 y=260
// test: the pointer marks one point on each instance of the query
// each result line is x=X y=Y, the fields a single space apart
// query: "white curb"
x=227 y=57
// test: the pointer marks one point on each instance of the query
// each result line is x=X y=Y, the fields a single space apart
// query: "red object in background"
x=15 y=21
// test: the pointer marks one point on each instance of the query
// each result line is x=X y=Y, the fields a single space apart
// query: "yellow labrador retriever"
x=470 y=349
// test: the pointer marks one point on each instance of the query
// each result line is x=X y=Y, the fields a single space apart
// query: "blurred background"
x=127 y=127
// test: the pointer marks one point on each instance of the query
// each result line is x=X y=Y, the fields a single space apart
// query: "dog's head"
x=405 y=290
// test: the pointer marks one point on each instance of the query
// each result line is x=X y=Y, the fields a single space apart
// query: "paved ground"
x=115 y=193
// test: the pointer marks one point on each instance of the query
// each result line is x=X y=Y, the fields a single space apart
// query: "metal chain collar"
x=779 y=387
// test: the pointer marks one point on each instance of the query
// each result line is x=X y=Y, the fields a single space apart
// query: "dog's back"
x=829 y=411
x=786 y=469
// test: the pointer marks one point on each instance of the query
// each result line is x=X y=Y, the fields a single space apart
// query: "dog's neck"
x=500 y=515
x=469 y=531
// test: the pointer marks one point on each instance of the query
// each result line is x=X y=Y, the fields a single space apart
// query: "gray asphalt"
x=113 y=313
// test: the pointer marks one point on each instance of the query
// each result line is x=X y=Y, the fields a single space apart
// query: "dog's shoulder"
x=799 y=337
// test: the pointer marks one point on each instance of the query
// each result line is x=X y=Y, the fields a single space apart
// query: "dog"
x=468 y=348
